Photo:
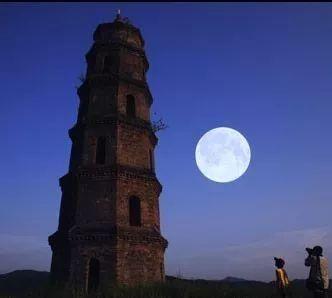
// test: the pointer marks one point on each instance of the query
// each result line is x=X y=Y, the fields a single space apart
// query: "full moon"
x=222 y=154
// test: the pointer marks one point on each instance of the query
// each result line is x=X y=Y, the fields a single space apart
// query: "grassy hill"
x=29 y=283
x=17 y=282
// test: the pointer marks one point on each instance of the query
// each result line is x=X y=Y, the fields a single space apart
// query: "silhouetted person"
x=282 y=278
x=318 y=281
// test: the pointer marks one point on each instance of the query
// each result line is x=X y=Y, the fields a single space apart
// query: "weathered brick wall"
x=139 y=263
x=96 y=202
x=133 y=145
x=132 y=64
x=102 y=101
x=60 y=265
x=142 y=105
x=104 y=252
x=90 y=142
x=147 y=191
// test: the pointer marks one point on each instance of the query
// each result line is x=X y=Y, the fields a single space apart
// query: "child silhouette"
x=282 y=281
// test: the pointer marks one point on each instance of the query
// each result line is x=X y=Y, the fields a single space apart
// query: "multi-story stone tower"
x=109 y=229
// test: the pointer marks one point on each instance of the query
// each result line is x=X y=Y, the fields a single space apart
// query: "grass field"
x=32 y=284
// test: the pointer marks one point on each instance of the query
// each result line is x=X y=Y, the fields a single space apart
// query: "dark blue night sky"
x=262 y=69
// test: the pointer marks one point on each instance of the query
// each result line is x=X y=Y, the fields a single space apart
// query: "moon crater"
x=223 y=154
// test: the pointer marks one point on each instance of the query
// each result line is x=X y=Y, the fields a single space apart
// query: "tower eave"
x=109 y=27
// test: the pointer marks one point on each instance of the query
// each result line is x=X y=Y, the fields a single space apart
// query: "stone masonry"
x=109 y=225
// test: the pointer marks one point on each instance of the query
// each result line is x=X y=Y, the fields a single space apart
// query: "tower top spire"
x=107 y=31
x=119 y=18
x=118 y=15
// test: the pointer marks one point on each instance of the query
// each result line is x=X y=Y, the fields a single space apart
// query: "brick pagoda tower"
x=109 y=226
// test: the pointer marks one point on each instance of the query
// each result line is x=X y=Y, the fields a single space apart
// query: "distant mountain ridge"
x=228 y=279
x=18 y=281
x=234 y=279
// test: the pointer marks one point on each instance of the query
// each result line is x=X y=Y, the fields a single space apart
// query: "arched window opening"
x=107 y=64
x=135 y=211
x=93 y=277
x=131 y=106
x=101 y=151
x=151 y=158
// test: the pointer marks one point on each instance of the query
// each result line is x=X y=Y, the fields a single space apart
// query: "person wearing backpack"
x=318 y=281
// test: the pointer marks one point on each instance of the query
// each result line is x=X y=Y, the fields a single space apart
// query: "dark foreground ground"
x=28 y=283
